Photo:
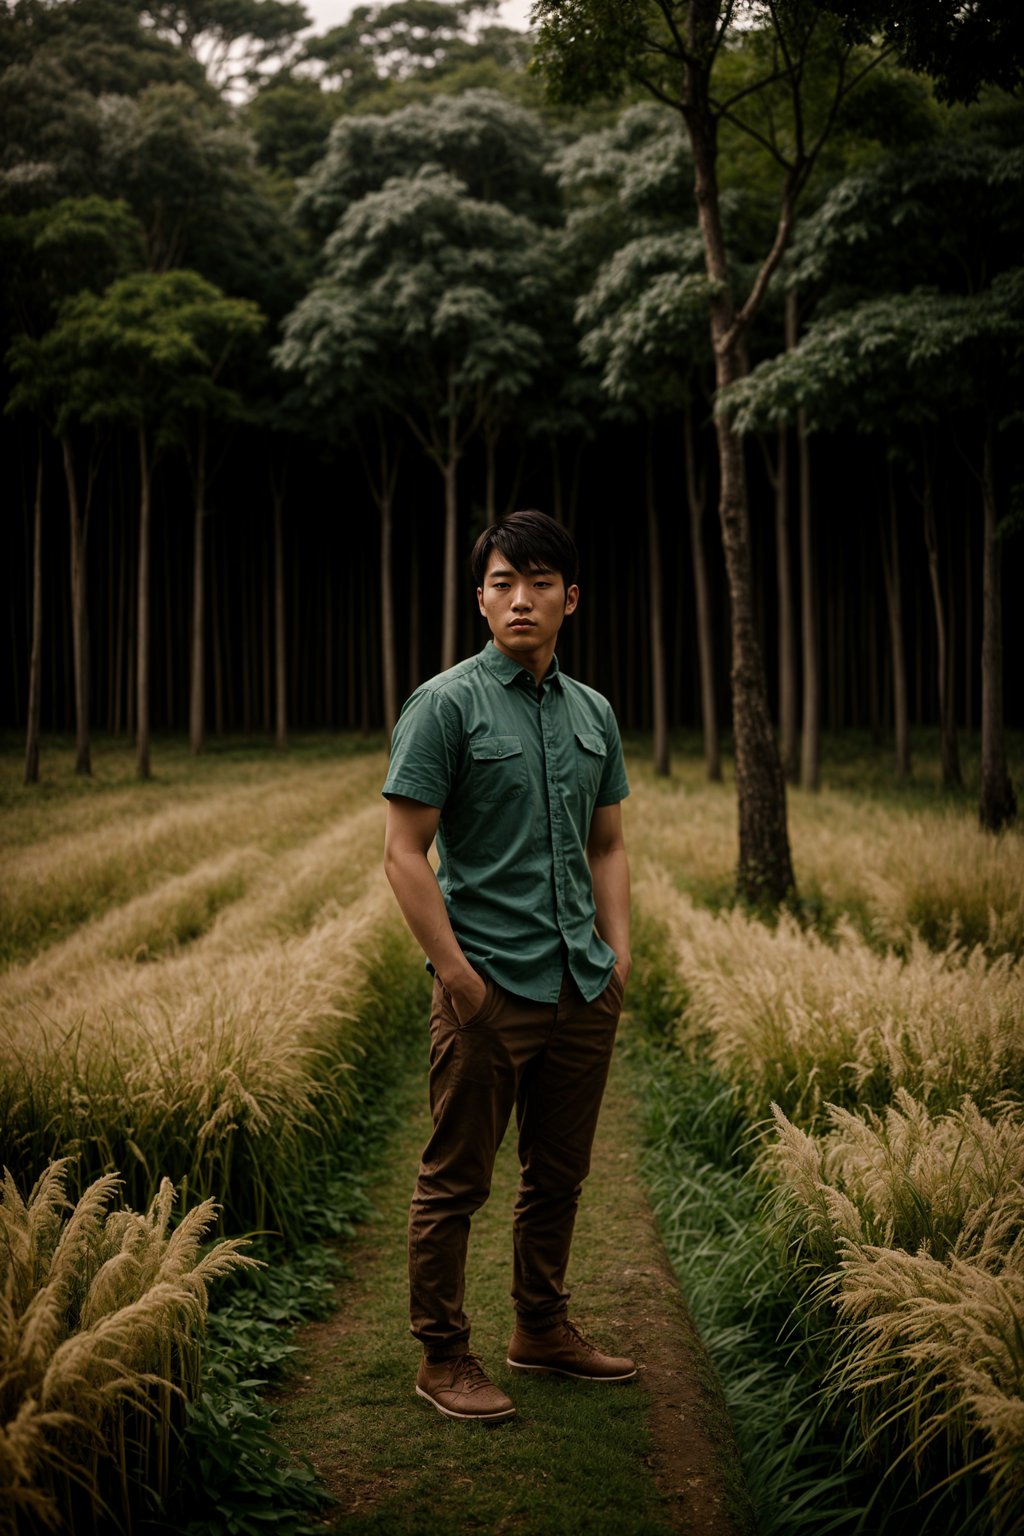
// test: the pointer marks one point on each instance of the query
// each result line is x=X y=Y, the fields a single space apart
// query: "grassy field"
x=839 y=1143
x=199 y=973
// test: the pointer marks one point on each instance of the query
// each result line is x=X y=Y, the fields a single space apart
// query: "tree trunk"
x=216 y=632
x=968 y=577
x=695 y=490
x=79 y=615
x=788 y=730
x=491 y=435
x=414 y=607
x=998 y=804
x=662 y=760
x=810 y=744
x=894 y=603
x=947 y=724
x=120 y=667
x=449 y=598
x=280 y=672
x=197 y=701
x=765 y=868
x=35 y=670
x=389 y=661
x=142 y=632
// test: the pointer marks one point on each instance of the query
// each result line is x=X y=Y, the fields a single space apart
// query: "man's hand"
x=623 y=966
x=467 y=996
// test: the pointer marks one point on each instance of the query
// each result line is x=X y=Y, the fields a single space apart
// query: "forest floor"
x=640 y=1459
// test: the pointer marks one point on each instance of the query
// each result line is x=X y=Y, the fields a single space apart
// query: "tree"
x=423 y=313
x=672 y=49
x=77 y=244
x=686 y=53
x=642 y=314
x=137 y=356
x=498 y=150
x=899 y=364
x=232 y=40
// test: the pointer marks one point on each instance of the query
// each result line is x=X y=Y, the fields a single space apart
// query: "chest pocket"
x=590 y=755
x=497 y=769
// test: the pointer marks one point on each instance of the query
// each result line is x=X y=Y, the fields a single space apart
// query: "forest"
x=733 y=288
x=288 y=318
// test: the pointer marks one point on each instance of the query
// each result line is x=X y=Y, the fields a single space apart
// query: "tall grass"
x=908 y=1230
x=209 y=992
x=896 y=872
x=101 y=1317
x=869 y=1067
x=789 y=1017
x=59 y=881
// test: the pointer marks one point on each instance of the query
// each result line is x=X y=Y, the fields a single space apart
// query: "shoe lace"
x=469 y=1372
x=578 y=1338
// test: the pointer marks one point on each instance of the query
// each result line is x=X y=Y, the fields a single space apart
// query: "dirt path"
x=643 y=1459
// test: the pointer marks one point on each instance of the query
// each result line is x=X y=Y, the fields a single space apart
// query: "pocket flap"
x=592 y=742
x=490 y=749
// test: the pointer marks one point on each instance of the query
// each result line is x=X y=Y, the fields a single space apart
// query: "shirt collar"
x=508 y=671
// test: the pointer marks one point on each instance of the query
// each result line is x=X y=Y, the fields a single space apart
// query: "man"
x=518 y=772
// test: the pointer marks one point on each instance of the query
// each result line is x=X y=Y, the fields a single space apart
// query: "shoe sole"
x=450 y=1413
x=560 y=1370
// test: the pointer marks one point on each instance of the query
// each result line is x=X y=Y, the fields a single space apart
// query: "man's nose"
x=521 y=598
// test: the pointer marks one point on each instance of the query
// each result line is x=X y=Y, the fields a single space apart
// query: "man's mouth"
x=521 y=624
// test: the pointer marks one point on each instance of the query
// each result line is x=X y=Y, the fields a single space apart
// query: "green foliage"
x=234 y=40
x=889 y=363
x=386 y=55
x=290 y=120
x=425 y=308
x=146 y=350
x=961 y=46
x=498 y=150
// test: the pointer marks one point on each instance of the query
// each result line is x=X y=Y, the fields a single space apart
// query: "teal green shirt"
x=516 y=772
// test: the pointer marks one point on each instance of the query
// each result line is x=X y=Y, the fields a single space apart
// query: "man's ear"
x=480 y=601
x=572 y=597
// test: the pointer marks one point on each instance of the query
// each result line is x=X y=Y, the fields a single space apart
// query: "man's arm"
x=410 y=830
x=609 y=871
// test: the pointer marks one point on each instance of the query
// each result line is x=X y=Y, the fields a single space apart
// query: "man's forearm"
x=419 y=897
x=610 y=875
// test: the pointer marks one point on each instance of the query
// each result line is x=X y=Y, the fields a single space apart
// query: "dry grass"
x=208 y=1027
x=895 y=872
x=62 y=880
x=909 y=1230
x=792 y=1018
x=889 y=1044
x=101 y=1314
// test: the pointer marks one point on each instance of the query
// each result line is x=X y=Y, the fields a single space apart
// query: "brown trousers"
x=550 y=1061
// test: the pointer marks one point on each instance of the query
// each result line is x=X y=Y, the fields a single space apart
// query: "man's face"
x=524 y=609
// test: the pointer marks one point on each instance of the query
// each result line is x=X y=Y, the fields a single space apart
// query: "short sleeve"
x=423 y=751
x=614 y=784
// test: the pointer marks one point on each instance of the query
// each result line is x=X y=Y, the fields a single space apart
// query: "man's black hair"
x=528 y=541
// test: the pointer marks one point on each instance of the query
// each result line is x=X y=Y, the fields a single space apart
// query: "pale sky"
x=329 y=13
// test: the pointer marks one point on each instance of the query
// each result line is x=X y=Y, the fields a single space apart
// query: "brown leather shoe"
x=461 y=1388
x=563 y=1349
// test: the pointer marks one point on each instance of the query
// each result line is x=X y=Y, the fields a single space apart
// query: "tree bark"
x=998 y=804
x=280 y=670
x=197 y=699
x=810 y=743
x=659 y=703
x=389 y=661
x=35 y=670
x=79 y=614
x=894 y=603
x=449 y=468
x=142 y=768
x=949 y=750
x=695 y=492
x=765 y=869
